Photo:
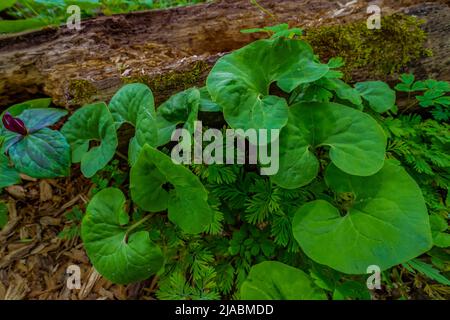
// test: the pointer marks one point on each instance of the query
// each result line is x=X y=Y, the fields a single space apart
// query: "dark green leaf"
x=187 y=203
x=118 y=251
x=42 y=154
x=91 y=123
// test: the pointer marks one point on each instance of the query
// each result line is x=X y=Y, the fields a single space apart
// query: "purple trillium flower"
x=14 y=124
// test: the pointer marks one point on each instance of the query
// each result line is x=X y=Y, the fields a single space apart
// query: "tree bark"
x=174 y=49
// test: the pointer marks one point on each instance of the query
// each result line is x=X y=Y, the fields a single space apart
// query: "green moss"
x=81 y=91
x=174 y=80
x=371 y=52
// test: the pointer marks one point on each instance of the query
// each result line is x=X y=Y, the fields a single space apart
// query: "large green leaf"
x=206 y=103
x=8 y=175
x=118 y=252
x=134 y=104
x=240 y=81
x=5 y=4
x=42 y=154
x=36 y=119
x=146 y=132
x=12 y=26
x=272 y=280
x=128 y=102
x=4 y=214
x=378 y=94
x=187 y=202
x=17 y=109
x=357 y=143
x=382 y=221
x=92 y=122
x=181 y=108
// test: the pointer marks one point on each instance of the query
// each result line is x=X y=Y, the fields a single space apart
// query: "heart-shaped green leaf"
x=378 y=94
x=382 y=221
x=128 y=102
x=8 y=175
x=92 y=122
x=272 y=280
x=357 y=143
x=180 y=108
x=42 y=154
x=120 y=255
x=240 y=81
x=146 y=132
x=36 y=119
x=187 y=202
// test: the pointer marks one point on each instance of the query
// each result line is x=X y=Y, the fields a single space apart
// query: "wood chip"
x=45 y=191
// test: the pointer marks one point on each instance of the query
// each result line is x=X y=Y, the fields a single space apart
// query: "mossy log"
x=173 y=49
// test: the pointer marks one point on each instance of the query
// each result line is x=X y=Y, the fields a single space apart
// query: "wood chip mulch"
x=34 y=260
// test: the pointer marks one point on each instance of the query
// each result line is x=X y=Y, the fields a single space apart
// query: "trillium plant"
x=32 y=147
x=336 y=203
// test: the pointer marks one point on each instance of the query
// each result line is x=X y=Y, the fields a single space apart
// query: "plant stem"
x=137 y=224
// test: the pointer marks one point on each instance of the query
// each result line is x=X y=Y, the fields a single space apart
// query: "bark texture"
x=174 y=49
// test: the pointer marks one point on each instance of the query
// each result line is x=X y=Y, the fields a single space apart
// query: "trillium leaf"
x=187 y=202
x=128 y=102
x=181 y=108
x=357 y=143
x=120 y=255
x=384 y=223
x=17 y=109
x=8 y=175
x=378 y=94
x=240 y=81
x=42 y=154
x=92 y=122
x=37 y=119
x=272 y=280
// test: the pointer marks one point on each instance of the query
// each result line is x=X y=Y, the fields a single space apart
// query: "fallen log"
x=173 y=49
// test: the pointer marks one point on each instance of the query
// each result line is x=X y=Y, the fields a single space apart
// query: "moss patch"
x=81 y=91
x=371 y=53
x=173 y=81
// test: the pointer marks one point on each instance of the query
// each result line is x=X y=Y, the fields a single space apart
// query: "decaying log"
x=174 y=49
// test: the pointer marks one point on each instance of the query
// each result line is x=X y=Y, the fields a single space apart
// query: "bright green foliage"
x=134 y=104
x=384 y=222
x=435 y=94
x=378 y=94
x=119 y=252
x=129 y=101
x=181 y=108
x=17 y=109
x=277 y=281
x=357 y=144
x=32 y=14
x=7 y=4
x=91 y=123
x=8 y=175
x=240 y=81
x=439 y=226
x=429 y=271
x=306 y=233
x=186 y=203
